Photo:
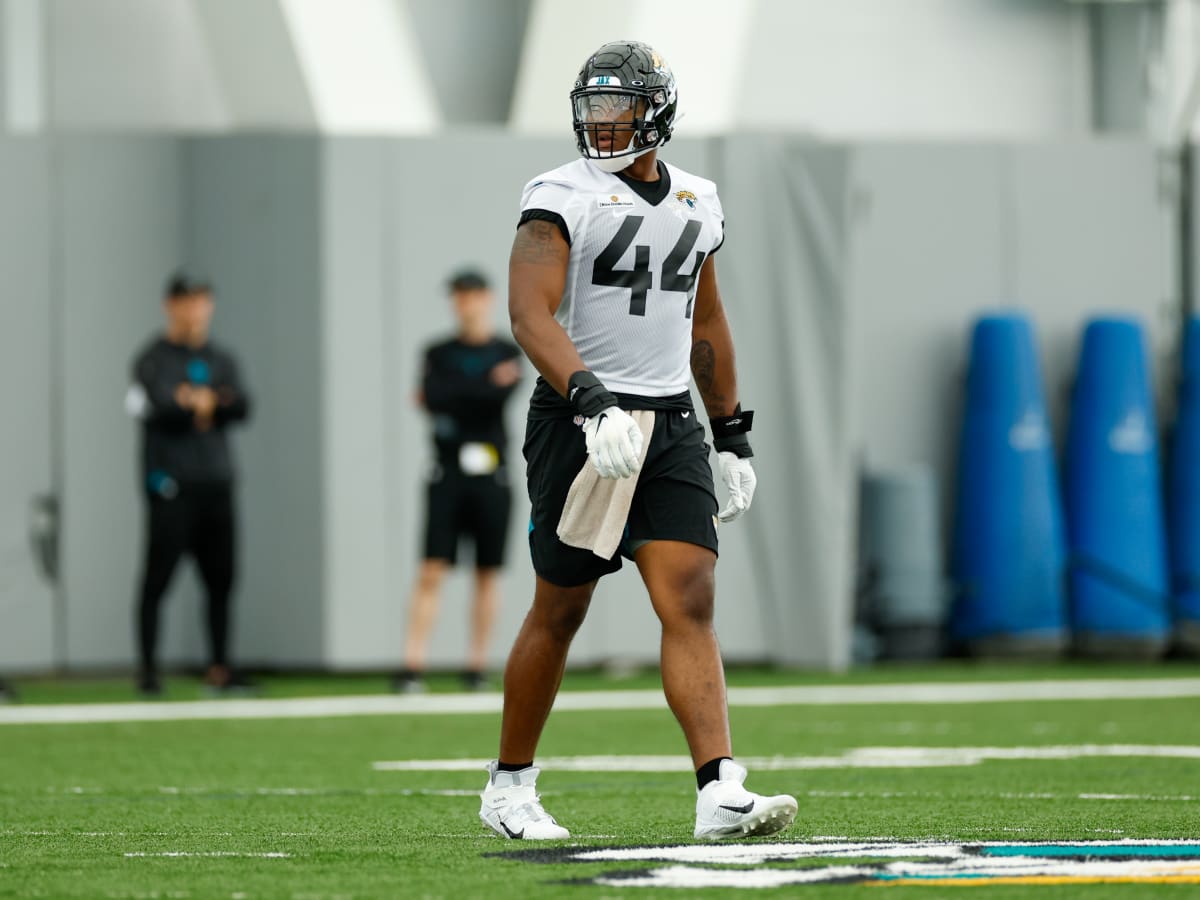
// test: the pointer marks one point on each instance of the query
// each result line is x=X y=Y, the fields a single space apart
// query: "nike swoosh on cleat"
x=737 y=809
x=517 y=835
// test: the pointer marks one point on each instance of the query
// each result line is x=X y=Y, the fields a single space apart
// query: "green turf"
x=74 y=799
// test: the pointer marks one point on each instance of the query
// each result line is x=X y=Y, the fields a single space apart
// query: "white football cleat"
x=726 y=810
x=511 y=807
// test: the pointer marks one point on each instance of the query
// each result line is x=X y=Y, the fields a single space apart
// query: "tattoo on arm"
x=704 y=362
x=704 y=370
x=537 y=243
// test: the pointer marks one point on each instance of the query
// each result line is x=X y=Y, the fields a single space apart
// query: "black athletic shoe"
x=475 y=682
x=222 y=682
x=408 y=682
x=149 y=685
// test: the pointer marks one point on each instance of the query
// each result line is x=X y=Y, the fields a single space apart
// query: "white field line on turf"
x=856 y=758
x=429 y=704
x=210 y=854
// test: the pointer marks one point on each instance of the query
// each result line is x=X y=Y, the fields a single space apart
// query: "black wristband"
x=588 y=395
x=737 y=444
x=729 y=432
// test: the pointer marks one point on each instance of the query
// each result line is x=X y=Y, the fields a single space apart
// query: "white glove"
x=614 y=443
x=739 y=477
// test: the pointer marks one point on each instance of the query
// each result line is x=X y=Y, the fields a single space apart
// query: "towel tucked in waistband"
x=594 y=516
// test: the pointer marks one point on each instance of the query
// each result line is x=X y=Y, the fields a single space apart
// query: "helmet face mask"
x=612 y=121
x=623 y=104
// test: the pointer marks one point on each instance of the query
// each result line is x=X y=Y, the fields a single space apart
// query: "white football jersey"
x=636 y=253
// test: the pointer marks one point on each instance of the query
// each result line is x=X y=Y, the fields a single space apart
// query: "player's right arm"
x=537 y=275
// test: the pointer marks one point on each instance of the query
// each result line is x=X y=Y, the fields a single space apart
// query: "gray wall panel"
x=122 y=232
x=782 y=272
x=27 y=614
x=929 y=250
x=1093 y=235
x=253 y=222
x=361 y=391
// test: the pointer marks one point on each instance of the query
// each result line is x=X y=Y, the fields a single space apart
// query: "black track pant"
x=198 y=521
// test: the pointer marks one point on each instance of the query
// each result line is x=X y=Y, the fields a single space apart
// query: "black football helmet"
x=623 y=104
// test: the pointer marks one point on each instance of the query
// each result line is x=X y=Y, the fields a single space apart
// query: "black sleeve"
x=546 y=215
x=456 y=393
x=161 y=411
x=233 y=402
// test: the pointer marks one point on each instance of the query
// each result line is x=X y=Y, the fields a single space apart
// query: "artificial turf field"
x=295 y=807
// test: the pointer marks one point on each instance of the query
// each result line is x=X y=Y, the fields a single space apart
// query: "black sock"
x=710 y=771
x=513 y=767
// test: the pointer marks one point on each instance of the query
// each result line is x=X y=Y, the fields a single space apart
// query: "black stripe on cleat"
x=515 y=835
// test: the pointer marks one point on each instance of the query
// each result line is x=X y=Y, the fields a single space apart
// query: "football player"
x=613 y=296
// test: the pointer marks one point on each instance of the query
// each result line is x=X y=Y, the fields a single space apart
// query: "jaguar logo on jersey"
x=888 y=863
x=615 y=201
x=687 y=198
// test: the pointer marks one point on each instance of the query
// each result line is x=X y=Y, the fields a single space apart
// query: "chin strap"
x=616 y=164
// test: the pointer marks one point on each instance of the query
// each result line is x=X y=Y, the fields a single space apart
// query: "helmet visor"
x=608 y=120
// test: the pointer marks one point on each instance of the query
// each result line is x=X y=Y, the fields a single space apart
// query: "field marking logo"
x=882 y=864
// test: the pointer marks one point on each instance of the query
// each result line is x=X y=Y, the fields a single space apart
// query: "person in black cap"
x=466 y=382
x=186 y=392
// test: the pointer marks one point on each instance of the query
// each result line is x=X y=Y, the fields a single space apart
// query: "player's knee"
x=430 y=575
x=560 y=613
x=691 y=601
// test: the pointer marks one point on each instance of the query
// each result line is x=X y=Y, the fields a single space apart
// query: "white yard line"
x=173 y=854
x=856 y=758
x=451 y=704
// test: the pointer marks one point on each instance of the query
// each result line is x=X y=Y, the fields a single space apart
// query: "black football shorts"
x=674 y=499
x=475 y=506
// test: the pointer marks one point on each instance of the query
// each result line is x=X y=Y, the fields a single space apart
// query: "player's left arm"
x=713 y=364
x=715 y=371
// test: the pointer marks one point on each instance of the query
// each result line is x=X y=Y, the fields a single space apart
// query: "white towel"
x=594 y=516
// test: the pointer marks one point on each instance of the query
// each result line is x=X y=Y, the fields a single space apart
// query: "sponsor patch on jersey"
x=614 y=201
x=687 y=198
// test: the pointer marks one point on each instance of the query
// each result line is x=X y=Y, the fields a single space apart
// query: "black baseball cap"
x=182 y=284
x=467 y=280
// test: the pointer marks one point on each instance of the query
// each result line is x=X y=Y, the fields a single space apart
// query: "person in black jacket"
x=465 y=384
x=186 y=392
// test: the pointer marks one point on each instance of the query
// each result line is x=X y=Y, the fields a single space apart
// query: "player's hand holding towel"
x=614 y=443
